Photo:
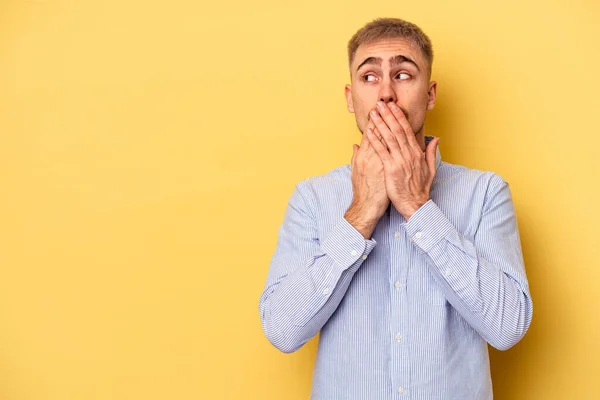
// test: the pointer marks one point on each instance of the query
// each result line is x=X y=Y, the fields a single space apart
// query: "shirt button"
x=448 y=271
x=397 y=234
x=400 y=390
x=398 y=285
x=354 y=252
x=326 y=291
x=364 y=256
x=419 y=235
x=398 y=337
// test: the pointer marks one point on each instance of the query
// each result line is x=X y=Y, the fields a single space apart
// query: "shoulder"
x=333 y=186
x=454 y=174
x=336 y=179
x=472 y=185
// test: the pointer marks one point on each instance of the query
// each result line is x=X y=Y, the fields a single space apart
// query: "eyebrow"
x=395 y=60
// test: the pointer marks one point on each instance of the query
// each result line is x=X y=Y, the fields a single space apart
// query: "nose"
x=386 y=92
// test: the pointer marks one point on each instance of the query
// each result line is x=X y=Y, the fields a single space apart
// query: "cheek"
x=362 y=112
x=417 y=119
x=365 y=99
x=417 y=109
x=360 y=104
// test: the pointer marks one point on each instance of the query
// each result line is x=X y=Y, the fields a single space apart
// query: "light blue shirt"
x=408 y=313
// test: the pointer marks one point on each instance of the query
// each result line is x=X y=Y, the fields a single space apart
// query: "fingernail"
x=370 y=132
x=380 y=105
x=374 y=113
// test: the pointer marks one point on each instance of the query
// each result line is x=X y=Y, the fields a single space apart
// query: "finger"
x=430 y=153
x=378 y=146
x=379 y=137
x=365 y=142
x=371 y=125
x=390 y=120
x=406 y=129
x=386 y=133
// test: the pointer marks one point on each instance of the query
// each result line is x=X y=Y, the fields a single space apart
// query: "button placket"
x=400 y=254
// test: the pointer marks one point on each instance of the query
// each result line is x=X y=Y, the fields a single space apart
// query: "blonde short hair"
x=391 y=28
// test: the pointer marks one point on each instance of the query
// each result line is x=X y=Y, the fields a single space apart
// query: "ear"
x=348 y=93
x=432 y=93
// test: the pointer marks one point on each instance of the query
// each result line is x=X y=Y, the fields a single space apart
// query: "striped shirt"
x=408 y=313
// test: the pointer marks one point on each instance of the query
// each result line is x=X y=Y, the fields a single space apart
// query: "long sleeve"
x=483 y=279
x=308 y=277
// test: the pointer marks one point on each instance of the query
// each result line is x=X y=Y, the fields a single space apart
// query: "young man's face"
x=390 y=70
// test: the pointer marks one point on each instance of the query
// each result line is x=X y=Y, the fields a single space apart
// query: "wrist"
x=361 y=214
x=412 y=208
x=363 y=223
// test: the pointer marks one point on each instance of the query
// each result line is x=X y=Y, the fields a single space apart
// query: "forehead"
x=386 y=48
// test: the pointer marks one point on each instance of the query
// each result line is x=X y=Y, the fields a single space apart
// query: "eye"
x=403 y=76
x=367 y=76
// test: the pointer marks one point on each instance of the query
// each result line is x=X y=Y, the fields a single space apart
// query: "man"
x=407 y=265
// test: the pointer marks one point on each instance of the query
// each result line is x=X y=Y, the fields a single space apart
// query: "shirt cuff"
x=346 y=245
x=427 y=226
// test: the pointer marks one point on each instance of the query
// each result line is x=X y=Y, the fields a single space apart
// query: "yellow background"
x=148 y=150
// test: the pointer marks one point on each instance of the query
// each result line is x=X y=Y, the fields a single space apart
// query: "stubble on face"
x=407 y=96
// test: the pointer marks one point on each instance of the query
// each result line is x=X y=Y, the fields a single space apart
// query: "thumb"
x=430 y=154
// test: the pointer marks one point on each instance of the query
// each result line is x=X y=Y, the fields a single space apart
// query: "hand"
x=370 y=199
x=408 y=173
